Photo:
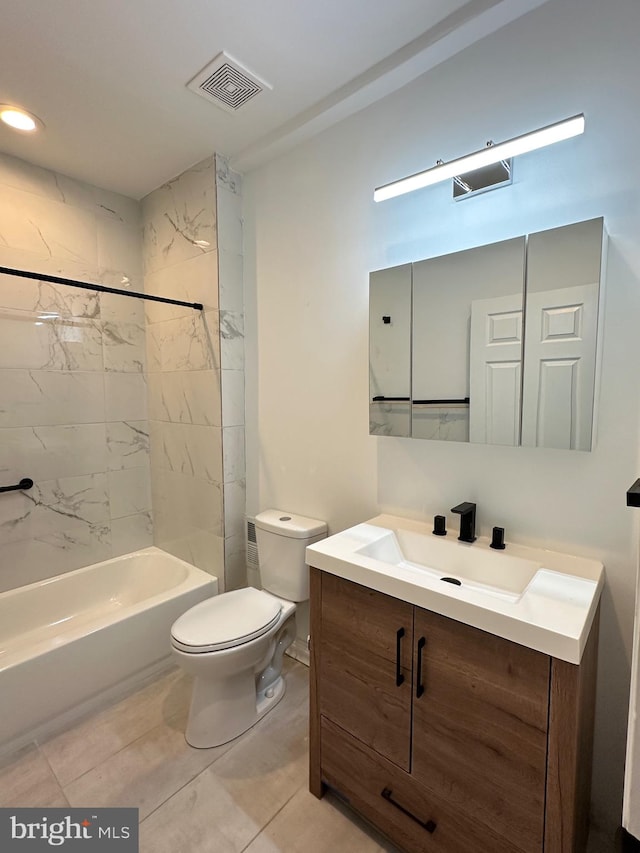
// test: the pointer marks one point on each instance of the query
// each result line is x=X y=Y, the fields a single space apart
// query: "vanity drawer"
x=399 y=807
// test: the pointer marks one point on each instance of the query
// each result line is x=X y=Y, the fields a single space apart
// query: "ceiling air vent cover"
x=226 y=83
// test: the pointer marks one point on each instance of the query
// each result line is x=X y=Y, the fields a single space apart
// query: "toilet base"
x=209 y=725
x=222 y=708
x=270 y=697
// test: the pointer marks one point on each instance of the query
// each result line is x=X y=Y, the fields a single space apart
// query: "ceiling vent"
x=227 y=84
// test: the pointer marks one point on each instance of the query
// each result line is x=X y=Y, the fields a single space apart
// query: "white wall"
x=313 y=233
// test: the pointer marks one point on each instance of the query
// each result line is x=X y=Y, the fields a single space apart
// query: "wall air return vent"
x=227 y=84
x=252 y=546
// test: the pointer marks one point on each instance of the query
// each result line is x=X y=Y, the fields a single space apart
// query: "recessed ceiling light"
x=19 y=119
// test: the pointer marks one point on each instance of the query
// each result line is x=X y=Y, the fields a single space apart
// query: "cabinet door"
x=365 y=650
x=480 y=726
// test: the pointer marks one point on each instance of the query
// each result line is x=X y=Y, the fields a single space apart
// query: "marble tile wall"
x=231 y=303
x=445 y=423
x=112 y=406
x=73 y=409
x=390 y=418
x=180 y=254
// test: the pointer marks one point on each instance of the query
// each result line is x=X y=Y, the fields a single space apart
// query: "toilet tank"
x=282 y=539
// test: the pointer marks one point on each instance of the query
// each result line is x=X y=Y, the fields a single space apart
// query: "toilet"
x=233 y=643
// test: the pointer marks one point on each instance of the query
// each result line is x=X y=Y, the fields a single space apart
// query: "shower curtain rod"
x=101 y=288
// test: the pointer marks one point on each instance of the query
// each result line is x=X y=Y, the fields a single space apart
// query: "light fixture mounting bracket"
x=482 y=180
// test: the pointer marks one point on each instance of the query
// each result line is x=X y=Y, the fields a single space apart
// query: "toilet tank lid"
x=288 y=524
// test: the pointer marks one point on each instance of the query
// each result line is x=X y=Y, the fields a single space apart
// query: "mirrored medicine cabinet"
x=493 y=345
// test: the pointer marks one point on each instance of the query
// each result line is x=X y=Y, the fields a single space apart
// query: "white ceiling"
x=108 y=77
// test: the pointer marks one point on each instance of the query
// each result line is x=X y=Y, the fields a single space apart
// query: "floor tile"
x=250 y=795
x=27 y=780
x=95 y=739
x=146 y=772
x=228 y=804
x=200 y=818
x=309 y=825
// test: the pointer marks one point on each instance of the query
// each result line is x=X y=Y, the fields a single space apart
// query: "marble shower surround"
x=389 y=418
x=183 y=362
x=73 y=412
x=74 y=407
x=192 y=249
x=445 y=423
x=231 y=303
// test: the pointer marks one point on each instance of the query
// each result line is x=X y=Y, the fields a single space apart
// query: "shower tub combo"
x=70 y=642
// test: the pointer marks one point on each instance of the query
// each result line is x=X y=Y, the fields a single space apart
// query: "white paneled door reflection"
x=559 y=368
x=495 y=370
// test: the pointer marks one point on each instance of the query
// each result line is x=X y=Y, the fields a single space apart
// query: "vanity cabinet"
x=366 y=652
x=445 y=737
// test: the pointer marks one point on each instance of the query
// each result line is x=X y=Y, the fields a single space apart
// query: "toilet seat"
x=226 y=621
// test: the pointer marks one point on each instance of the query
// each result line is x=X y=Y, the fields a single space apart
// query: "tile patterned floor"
x=250 y=795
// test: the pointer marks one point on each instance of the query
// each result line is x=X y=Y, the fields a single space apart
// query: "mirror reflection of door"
x=390 y=351
x=455 y=398
x=495 y=370
x=563 y=272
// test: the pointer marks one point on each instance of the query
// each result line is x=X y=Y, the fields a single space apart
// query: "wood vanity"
x=446 y=737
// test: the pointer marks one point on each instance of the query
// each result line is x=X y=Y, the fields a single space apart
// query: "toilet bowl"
x=233 y=644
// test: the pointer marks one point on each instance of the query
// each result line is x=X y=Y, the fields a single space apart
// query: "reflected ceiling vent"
x=227 y=84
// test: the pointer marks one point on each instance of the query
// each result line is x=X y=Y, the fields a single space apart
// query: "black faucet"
x=467 y=512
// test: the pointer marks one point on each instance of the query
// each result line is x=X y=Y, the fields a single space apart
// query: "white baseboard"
x=298 y=651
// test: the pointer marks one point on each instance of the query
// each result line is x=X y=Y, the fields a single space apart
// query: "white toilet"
x=233 y=643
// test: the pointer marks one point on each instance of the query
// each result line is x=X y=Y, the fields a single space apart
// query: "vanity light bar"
x=486 y=156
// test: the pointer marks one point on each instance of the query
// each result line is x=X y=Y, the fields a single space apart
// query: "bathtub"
x=70 y=642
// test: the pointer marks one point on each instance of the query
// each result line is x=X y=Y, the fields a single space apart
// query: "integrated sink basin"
x=542 y=599
x=452 y=562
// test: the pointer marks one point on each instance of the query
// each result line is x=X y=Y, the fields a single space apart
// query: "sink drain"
x=454 y=581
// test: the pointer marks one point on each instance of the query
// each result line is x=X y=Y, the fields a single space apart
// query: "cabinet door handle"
x=419 y=685
x=399 y=675
x=429 y=825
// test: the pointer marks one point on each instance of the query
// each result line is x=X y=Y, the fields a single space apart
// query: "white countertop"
x=553 y=614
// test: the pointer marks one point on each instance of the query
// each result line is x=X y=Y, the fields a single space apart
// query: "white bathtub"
x=69 y=641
